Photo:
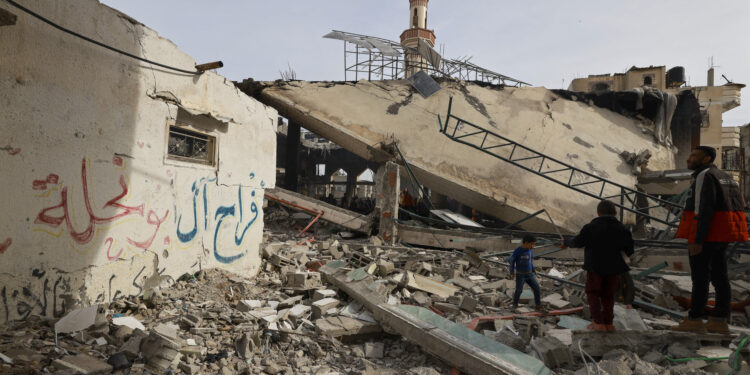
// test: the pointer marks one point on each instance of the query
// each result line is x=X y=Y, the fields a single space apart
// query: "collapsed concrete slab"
x=328 y=212
x=366 y=117
x=455 y=344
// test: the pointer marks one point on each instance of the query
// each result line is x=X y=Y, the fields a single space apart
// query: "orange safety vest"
x=728 y=223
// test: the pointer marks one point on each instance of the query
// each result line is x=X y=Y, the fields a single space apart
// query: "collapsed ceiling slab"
x=365 y=117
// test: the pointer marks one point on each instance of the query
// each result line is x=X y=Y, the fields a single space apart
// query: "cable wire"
x=49 y=22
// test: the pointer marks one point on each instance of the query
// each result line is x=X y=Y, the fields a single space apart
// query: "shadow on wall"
x=70 y=110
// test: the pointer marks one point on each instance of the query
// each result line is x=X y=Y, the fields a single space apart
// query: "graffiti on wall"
x=59 y=215
x=223 y=216
x=42 y=296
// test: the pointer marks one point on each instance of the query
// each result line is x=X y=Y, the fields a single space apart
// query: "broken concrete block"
x=119 y=361
x=128 y=321
x=289 y=302
x=302 y=280
x=488 y=299
x=374 y=349
x=461 y=282
x=564 y=335
x=552 y=351
x=245 y=346
x=83 y=364
x=556 y=300
x=421 y=298
x=132 y=347
x=615 y=367
x=385 y=267
x=507 y=338
x=338 y=326
x=298 y=312
x=468 y=304
x=166 y=330
x=323 y=293
x=446 y=307
x=271 y=249
x=321 y=307
x=496 y=273
x=628 y=320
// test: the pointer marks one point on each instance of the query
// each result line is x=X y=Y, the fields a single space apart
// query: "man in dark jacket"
x=713 y=217
x=606 y=242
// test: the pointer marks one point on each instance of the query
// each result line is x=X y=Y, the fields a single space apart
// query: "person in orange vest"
x=713 y=217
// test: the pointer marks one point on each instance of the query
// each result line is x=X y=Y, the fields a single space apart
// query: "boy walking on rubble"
x=606 y=242
x=522 y=264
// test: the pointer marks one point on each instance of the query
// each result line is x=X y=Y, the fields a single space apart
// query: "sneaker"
x=611 y=328
x=717 y=325
x=690 y=325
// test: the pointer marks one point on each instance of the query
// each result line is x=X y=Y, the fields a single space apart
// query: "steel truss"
x=373 y=58
x=587 y=183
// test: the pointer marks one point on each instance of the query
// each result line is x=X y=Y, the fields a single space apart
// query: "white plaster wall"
x=587 y=137
x=79 y=119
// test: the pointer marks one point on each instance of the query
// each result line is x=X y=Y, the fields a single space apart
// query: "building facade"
x=119 y=175
x=713 y=100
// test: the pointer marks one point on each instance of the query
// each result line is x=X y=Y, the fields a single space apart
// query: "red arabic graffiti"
x=47 y=217
x=154 y=220
x=109 y=242
x=84 y=236
x=5 y=245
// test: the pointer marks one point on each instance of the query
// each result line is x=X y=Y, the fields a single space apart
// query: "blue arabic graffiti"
x=221 y=213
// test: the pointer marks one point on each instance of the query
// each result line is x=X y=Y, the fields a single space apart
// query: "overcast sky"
x=546 y=43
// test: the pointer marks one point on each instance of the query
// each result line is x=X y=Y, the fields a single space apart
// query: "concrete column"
x=292 y=156
x=351 y=186
x=387 y=190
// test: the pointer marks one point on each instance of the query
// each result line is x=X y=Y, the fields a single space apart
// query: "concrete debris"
x=289 y=319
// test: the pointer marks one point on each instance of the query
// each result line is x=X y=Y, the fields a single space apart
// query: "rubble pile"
x=290 y=319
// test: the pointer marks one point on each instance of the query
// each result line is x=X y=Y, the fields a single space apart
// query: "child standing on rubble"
x=607 y=243
x=522 y=268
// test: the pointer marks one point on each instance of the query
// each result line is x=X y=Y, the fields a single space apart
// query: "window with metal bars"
x=191 y=146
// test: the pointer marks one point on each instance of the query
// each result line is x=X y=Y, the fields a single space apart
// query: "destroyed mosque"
x=160 y=218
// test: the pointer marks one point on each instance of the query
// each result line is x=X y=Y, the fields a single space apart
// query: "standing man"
x=712 y=218
x=522 y=268
x=607 y=243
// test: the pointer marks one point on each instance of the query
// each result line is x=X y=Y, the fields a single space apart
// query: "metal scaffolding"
x=373 y=58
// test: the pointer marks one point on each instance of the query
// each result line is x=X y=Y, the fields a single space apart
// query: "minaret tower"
x=417 y=29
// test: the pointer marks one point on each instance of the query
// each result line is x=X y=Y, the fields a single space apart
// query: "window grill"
x=189 y=146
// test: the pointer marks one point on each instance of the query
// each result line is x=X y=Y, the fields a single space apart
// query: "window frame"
x=177 y=160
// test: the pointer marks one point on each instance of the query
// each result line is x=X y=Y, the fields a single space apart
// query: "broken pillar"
x=387 y=184
x=292 y=153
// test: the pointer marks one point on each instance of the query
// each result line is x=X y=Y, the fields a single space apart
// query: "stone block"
x=302 y=280
x=552 y=351
x=468 y=304
x=446 y=307
x=321 y=307
x=374 y=349
x=323 y=293
x=83 y=364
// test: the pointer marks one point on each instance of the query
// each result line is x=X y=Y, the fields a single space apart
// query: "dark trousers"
x=710 y=265
x=600 y=292
x=527 y=278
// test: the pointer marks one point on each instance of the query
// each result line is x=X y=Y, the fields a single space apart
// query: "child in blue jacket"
x=521 y=263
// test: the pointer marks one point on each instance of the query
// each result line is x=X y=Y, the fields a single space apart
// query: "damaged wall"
x=93 y=210
x=362 y=116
